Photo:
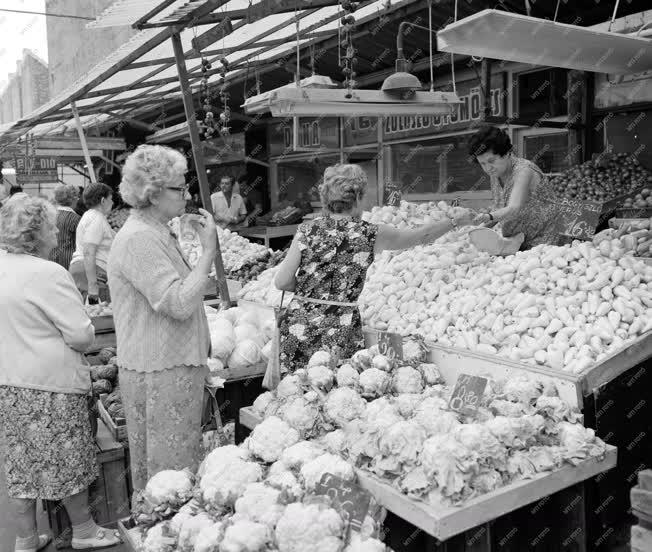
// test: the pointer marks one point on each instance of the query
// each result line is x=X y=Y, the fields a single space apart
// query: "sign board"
x=218 y=151
x=349 y=499
x=314 y=134
x=392 y=194
x=467 y=394
x=36 y=169
x=390 y=345
x=577 y=218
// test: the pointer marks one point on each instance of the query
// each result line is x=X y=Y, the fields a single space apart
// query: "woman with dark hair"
x=523 y=198
x=93 y=243
x=327 y=264
x=65 y=196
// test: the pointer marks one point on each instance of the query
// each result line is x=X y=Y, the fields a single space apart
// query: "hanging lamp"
x=514 y=37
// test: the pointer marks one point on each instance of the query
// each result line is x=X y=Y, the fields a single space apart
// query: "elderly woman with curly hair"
x=65 y=196
x=159 y=316
x=326 y=267
x=93 y=243
x=44 y=380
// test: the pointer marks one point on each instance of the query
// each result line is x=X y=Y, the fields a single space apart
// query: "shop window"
x=436 y=167
x=629 y=132
x=542 y=94
x=548 y=151
x=299 y=178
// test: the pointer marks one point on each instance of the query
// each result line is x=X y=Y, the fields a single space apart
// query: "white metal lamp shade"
x=317 y=102
x=260 y=102
x=513 y=37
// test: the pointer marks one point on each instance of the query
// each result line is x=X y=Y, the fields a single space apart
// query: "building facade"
x=27 y=88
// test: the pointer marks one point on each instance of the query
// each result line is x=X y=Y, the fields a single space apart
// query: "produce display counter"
x=466 y=523
x=266 y=233
x=211 y=289
x=104 y=333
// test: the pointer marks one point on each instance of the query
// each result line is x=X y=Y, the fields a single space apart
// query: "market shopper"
x=44 y=421
x=523 y=200
x=229 y=207
x=65 y=196
x=161 y=327
x=93 y=243
x=326 y=267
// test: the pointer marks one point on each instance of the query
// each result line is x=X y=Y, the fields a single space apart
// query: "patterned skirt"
x=163 y=411
x=48 y=447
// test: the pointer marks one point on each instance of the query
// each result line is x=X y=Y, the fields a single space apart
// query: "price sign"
x=392 y=194
x=390 y=345
x=467 y=394
x=349 y=499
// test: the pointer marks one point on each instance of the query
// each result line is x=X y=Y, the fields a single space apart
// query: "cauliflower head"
x=190 y=530
x=220 y=459
x=295 y=456
x=347 y=376
x=301 y=415
x=320 y=376
x=309 y=527
x=208 y=539
x=374 y=382
x=289 y=386
x=246 y=536
x=430 y=373
x=320 y=358
x=381 y=362
x=265 y=404
x=286 y=482
x=407 y=380
x=407 y=403
x=157 y=539
x=224 y=489
x=435 y=421
x=402 y=442
x=523 y=389
x=313 y=471
x=269 y=438
x=343 y=405
x=334 y=441
x=358 y=544
x=361 y=360
x=260 y=503
x=171 y=488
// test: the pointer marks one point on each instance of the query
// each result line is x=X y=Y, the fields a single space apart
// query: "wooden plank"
x=116 y=489
x=131 y=536
x=443 y=523
x=102 y=340
x=248 y=418
x=118 y=431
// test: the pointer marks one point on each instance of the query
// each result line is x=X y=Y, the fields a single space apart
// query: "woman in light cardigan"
x=44 y=424
x=161 y=327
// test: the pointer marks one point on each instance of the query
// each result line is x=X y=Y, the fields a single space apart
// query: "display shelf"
x=572 y=387
x=446 y=522
x=233 y=375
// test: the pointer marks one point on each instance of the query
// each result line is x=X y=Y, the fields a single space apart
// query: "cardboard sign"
x=577 y=218
x=390 y=345
x=349 y=499
x=467 y=394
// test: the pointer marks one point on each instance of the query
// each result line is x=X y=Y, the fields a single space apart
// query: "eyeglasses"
x=182 y=189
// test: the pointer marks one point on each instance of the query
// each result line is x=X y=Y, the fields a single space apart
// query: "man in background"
x=228 y=207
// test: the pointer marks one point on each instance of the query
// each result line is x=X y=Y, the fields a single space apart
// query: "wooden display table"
x=462 y=523
x=267 y=233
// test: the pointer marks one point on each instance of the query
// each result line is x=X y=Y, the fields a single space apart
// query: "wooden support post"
x=200 y=167
x=485 y=83
x=575 y=95
x=381 y=163
x=84 y=145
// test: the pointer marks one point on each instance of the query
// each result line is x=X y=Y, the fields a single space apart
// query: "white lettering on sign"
x=309 y=134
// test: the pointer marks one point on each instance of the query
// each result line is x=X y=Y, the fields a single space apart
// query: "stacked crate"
x=641 y=497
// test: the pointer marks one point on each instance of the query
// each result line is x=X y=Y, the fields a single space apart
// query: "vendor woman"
x=522 y=197
x=326 y=267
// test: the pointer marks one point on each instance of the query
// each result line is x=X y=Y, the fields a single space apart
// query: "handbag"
x=273 y=371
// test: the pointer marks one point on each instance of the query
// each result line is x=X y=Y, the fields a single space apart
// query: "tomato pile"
x=603 y=179
x=642 y=200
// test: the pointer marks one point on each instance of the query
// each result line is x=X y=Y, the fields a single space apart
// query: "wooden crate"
x=117 y=428
x=131 y=534
x=102 y=340
x=109 y=494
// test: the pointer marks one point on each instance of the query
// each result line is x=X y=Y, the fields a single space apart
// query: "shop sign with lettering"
x=36 y=169
x=314 y=133
x=363 y=130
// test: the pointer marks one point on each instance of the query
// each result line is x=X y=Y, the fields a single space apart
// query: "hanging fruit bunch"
x=348 y=62
x=208 y=124
x=225 y=115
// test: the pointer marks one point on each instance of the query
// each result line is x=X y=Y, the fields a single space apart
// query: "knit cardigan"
x=157 y=301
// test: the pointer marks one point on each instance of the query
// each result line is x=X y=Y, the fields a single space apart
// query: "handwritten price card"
x=467 y=394
x=390 y=345
x=349 y=499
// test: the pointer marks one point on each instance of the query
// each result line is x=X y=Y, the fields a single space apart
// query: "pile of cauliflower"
x=394 y=421
x=258 y=497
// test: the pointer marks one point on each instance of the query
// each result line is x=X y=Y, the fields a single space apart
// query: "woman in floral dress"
x=326 y=267
x=522 y=196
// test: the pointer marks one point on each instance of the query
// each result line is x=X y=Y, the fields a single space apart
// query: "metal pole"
x=82 y=139
x=200 y=167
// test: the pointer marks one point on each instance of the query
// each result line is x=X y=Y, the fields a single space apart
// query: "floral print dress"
x=335 y=256
x=538 y=217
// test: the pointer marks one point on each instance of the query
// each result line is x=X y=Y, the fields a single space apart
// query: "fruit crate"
x=634 y=212
x=109 y=495
x=117 y=428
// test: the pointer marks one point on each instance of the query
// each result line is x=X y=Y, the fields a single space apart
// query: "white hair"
x=22 y=221
x=147 y=170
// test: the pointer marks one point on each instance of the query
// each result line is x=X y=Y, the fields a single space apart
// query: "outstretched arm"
x=286 y=277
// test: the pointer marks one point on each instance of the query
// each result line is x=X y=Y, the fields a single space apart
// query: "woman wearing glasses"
x=161 y=328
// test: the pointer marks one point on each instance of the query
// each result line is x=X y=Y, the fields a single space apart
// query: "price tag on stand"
x=467 y=394
x=349 y=499
x=390 y=345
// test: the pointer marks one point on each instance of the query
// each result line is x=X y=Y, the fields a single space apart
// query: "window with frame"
x=548 y=151
x=542 y=94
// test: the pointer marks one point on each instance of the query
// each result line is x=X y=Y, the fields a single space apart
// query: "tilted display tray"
x=572 y=387
x=446 y=522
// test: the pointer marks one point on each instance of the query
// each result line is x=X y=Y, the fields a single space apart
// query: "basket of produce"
x=639 y=206
x=105 y=388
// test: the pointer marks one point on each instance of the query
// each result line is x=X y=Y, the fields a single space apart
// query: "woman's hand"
x=205 y=227
x=464 y=218
x=482 y=218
